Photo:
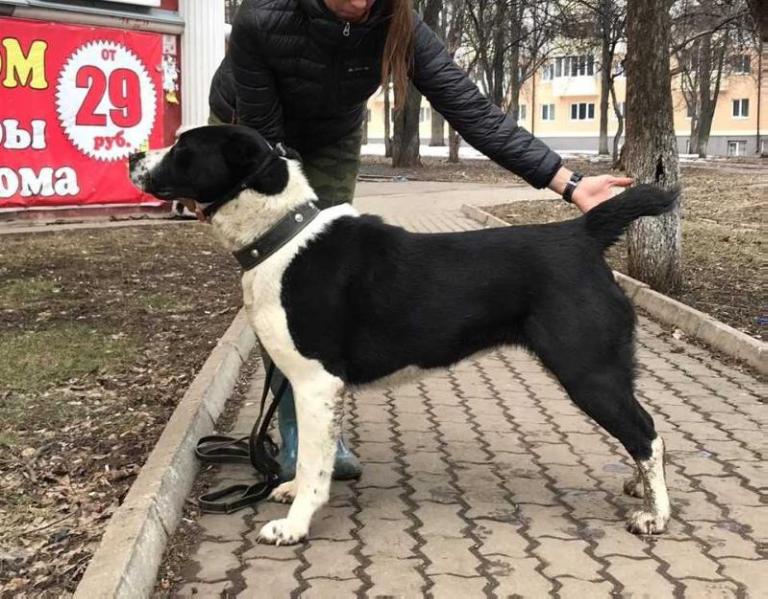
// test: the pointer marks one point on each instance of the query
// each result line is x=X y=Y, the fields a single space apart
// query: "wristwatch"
x=571 y=185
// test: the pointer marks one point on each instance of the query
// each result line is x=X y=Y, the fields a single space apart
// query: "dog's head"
x=211 y=165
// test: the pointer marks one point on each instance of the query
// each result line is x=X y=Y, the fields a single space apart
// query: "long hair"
x=398 y=50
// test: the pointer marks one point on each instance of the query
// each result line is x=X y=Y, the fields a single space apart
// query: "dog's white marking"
x=251 y=214
x=143 y=167
x=317 y=393
x=654 y=516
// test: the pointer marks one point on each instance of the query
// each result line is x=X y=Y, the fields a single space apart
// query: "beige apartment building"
x=561 y=105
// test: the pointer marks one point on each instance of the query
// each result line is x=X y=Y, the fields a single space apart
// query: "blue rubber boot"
x=346 y=466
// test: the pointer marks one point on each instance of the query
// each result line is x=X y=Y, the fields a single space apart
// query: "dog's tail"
x=607 y=222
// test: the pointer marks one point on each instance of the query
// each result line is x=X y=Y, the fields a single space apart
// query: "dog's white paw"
x=646 y=523
x=634 y=487
x=284 y=493
x=281 y=532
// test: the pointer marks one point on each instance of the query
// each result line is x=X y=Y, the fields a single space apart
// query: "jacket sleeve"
x=258 y=105
x=477 y=119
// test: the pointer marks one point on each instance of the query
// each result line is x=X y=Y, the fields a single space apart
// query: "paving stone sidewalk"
x=487 y=481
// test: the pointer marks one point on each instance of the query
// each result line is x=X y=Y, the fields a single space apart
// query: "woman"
x=303 y=71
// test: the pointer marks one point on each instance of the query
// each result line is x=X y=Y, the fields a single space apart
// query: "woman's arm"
x=490 y=130
x=258 y=105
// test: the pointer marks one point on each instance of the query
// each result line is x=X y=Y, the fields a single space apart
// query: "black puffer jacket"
x=303 y=77
x=222 y=98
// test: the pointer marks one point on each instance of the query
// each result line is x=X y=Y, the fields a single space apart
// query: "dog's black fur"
x=367 y=299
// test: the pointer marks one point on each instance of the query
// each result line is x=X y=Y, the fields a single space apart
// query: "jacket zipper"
x=337 y=68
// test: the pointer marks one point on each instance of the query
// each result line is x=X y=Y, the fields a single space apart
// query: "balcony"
x=585 y=85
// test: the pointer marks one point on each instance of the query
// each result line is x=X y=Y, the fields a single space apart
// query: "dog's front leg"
x=318 y=410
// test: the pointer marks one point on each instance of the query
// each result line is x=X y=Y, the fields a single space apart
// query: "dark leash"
x=258 y=449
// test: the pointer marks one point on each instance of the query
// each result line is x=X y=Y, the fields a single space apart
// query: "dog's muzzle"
x=138 y=170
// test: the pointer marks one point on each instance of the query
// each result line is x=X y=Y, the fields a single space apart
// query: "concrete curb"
x=131 y=550
x=692 y=322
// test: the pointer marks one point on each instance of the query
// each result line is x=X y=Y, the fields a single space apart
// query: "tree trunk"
x=405 y=141
x=496 y=89
x=438 y=129
x=387 y=126
x=708 y=91
x=453 y=145
x=605 y=75
x=514 y=82
x=619 y=126
x=654 y=243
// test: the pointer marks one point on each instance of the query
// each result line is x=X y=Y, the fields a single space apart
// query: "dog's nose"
x=134 y=158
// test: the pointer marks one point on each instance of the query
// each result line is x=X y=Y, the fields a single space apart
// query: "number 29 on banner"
x=106 y=100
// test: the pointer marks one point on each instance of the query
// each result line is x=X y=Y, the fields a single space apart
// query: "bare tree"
x=651 y=150
x=601 y=25
x=487 y=33
x=455 y=18
x=707 y=34
x=759 y=9
x=509 y=40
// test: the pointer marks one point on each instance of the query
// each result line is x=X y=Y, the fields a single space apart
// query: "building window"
x=737 y=147
x=741 y=64
x=582 y=65
x=547 y=112
x=582 y=111
x=423 y=114
x=521 y=112
x=549 y=72
x=741 y=108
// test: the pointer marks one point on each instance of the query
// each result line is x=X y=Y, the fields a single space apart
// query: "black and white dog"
x=350 y=300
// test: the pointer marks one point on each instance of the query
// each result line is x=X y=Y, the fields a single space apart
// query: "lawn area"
x=101 y=332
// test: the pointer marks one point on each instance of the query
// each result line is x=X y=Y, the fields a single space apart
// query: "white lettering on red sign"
x=15 y=137
x=46 y=182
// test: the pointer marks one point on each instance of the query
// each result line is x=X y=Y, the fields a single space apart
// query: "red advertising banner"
x=74 y=103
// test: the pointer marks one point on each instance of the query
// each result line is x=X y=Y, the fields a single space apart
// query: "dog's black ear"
x=274 y=178
x=241 y=155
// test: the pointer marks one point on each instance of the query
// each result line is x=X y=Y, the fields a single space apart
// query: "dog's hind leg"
x=318 y=410
x=601 y=383
x=607 y=397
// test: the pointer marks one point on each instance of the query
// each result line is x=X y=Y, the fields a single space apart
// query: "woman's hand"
x=592 y=191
